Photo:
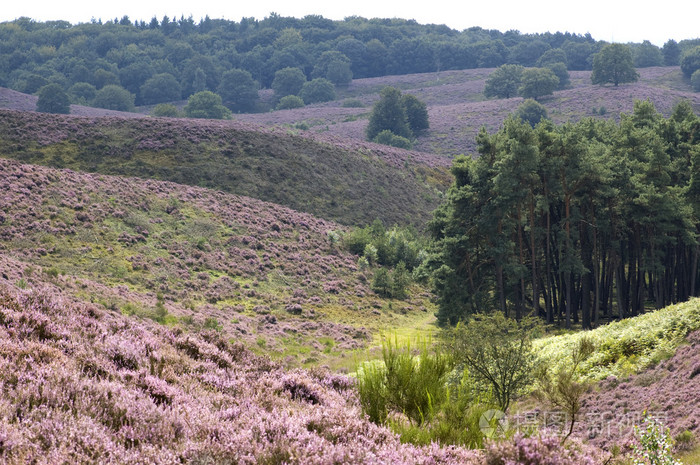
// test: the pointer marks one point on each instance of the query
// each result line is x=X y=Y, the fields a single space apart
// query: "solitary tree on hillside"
x=317 y=90
x=416 y=113
x=389 y=114
x=206 y=104
x=52 y=99
x=614 y=64
x=538 y=82
x=113 y=97
x=504 y=82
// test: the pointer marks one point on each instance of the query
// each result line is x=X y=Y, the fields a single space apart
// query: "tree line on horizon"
x=164 y=60
x=577 y=223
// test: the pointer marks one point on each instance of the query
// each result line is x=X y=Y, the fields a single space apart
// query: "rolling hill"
x=259 y=273
x=352 y=182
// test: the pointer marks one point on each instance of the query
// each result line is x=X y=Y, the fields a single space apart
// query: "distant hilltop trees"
x=168 y=59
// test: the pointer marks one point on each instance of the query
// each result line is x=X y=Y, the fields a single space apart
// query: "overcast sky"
x=609 y=20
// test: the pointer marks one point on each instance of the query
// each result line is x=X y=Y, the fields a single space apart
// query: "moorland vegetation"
x=177 y=316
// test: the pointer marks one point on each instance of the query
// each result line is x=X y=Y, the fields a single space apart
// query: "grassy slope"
x=258 y=272
x=353 y=183
x=649 y=362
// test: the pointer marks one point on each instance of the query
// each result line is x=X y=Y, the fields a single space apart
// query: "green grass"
x=627 y=346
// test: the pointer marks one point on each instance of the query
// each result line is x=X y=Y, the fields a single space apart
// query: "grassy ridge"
x=353 y=183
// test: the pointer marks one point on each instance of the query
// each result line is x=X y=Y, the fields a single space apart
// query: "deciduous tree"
x=206 y=104
x=504 y=82
x=114 y=97
x=288 y=81
x=614 y=64
x=238 y=90
x=53 y=99
x=317 y=90
x=389 y=114
x=538 y=82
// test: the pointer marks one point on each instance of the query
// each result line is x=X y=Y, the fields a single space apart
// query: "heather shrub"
x=543 y=449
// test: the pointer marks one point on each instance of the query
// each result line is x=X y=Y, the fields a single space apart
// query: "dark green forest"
x=576 y=223
x=168 y=59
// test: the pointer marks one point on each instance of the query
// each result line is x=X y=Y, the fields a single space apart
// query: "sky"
x=609 y=20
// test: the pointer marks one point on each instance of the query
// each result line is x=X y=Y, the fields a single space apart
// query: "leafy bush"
x=317 y=90
x=289 y=102
x=405 y=384
x=387 y=137
x=654 y=446
x=695 y=80
x=498 y=353
x=167 y=110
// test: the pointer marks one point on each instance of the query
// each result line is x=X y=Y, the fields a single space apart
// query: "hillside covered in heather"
x=346 y=180
x=82 y=384
x=457 y=106
x=262 y=274
x=203 y=260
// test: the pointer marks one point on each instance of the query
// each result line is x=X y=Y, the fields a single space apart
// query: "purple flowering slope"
x=83 y=385
x=260 y=273
x=669 y=392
